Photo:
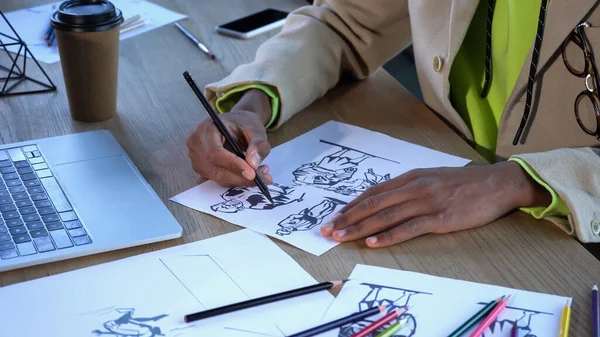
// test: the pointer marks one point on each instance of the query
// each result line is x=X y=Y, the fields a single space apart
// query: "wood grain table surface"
x=157 y=112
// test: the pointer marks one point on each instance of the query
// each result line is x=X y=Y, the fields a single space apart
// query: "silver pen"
x=196 y=41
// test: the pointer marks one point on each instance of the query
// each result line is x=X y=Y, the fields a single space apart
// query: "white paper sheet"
x=314 y=176
x=31 y=24
x=439 y=305
x=138 y=296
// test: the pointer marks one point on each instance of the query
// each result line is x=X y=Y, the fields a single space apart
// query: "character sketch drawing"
x=308 y=218
x=237 y=199
x=358 y=186
x=335 y=172
x=129 y=326
x=393 y=298
x=512 y=316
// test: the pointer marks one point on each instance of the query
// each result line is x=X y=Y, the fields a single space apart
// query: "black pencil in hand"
x=223 y=129
x=262 y=300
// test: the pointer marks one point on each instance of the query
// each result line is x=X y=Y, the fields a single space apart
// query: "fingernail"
x=265 y=170
x=340 y=233
x=372 y=240
x=255 y=159
x=247 y=175
x=328 y=227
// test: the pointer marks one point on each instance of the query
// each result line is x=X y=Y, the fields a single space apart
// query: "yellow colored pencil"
x=393 y=328
x=565 y=320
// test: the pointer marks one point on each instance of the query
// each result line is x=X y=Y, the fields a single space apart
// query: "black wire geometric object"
x=14 y=74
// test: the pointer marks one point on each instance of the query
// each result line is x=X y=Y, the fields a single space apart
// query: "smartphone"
x=254 y=24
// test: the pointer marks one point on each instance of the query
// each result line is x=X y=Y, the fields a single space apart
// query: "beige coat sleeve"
x=575 y=175
x=317 y=44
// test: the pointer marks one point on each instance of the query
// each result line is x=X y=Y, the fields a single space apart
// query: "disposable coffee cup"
x=87 y=33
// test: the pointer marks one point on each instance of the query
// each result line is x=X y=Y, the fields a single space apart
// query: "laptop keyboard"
x=36 y=215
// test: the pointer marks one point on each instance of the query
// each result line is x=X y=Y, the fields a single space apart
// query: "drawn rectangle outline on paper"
x=149 y=294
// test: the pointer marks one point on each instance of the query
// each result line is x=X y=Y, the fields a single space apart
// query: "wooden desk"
x=157 y=112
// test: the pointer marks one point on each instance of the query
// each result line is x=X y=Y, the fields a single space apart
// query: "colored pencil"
x=134 y=26
x=262 y=300
x=392 y=315
x=51 y=38
x=514 y=332
x=48 y=32
x=565 y=320
x=489 y=319
x=389 y=332
x=595 y=314
x=130 y=20
x=355 y=317
x=475 y=318
x=223 y=129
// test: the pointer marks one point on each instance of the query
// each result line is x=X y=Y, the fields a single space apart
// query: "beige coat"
x=320 y=42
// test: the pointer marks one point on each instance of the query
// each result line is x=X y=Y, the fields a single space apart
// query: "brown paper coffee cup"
x=87 y=33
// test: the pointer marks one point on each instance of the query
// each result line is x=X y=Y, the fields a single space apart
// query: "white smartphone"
x=254 y=24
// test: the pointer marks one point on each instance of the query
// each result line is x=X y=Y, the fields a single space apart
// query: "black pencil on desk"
x=261 y=301
x=223 y=129
x=355 y=317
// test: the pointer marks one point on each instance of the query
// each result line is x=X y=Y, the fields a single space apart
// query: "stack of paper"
x=148 y=295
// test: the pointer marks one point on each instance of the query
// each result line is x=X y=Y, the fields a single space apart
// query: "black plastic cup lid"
x=86 y=16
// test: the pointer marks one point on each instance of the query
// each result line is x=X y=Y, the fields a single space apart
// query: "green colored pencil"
x=476 y=318
x=389 y=332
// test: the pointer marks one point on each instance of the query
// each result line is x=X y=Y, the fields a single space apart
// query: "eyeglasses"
x=586 y=107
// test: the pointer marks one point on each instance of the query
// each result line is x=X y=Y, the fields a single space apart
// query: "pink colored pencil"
x=490 y=318
x=392 y=315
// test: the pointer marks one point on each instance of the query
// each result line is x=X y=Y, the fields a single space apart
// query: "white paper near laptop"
x=31 y=24
x=149 y=294
x=314 y=176
x=437 y=306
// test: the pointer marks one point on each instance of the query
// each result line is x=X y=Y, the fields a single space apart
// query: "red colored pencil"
x=489 y=319
x=392 y=315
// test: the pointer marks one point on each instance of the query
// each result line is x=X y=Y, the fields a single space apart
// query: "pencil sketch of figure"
x=308 y=218
x=393 y=298
x=521 y=317
x=331 y=170
x=237 y=199
x=358 y=186
x=129 y=326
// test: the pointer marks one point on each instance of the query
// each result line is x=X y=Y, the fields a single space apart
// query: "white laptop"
x=74 y=195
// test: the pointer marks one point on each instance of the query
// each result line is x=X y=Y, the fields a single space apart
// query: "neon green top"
x=513 y=32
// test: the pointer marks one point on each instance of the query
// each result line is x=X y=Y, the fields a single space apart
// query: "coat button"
x=595 y=227
x=438 y=63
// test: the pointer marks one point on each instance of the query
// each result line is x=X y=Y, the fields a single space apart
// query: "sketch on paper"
x=237 y=199
x=335 y=171
x=358 y=186
x=308 y=218
x=270 y=331
x=393 y=298
x=127 y=325
x=216 y=277
x=512 y=316
x=334 y=160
